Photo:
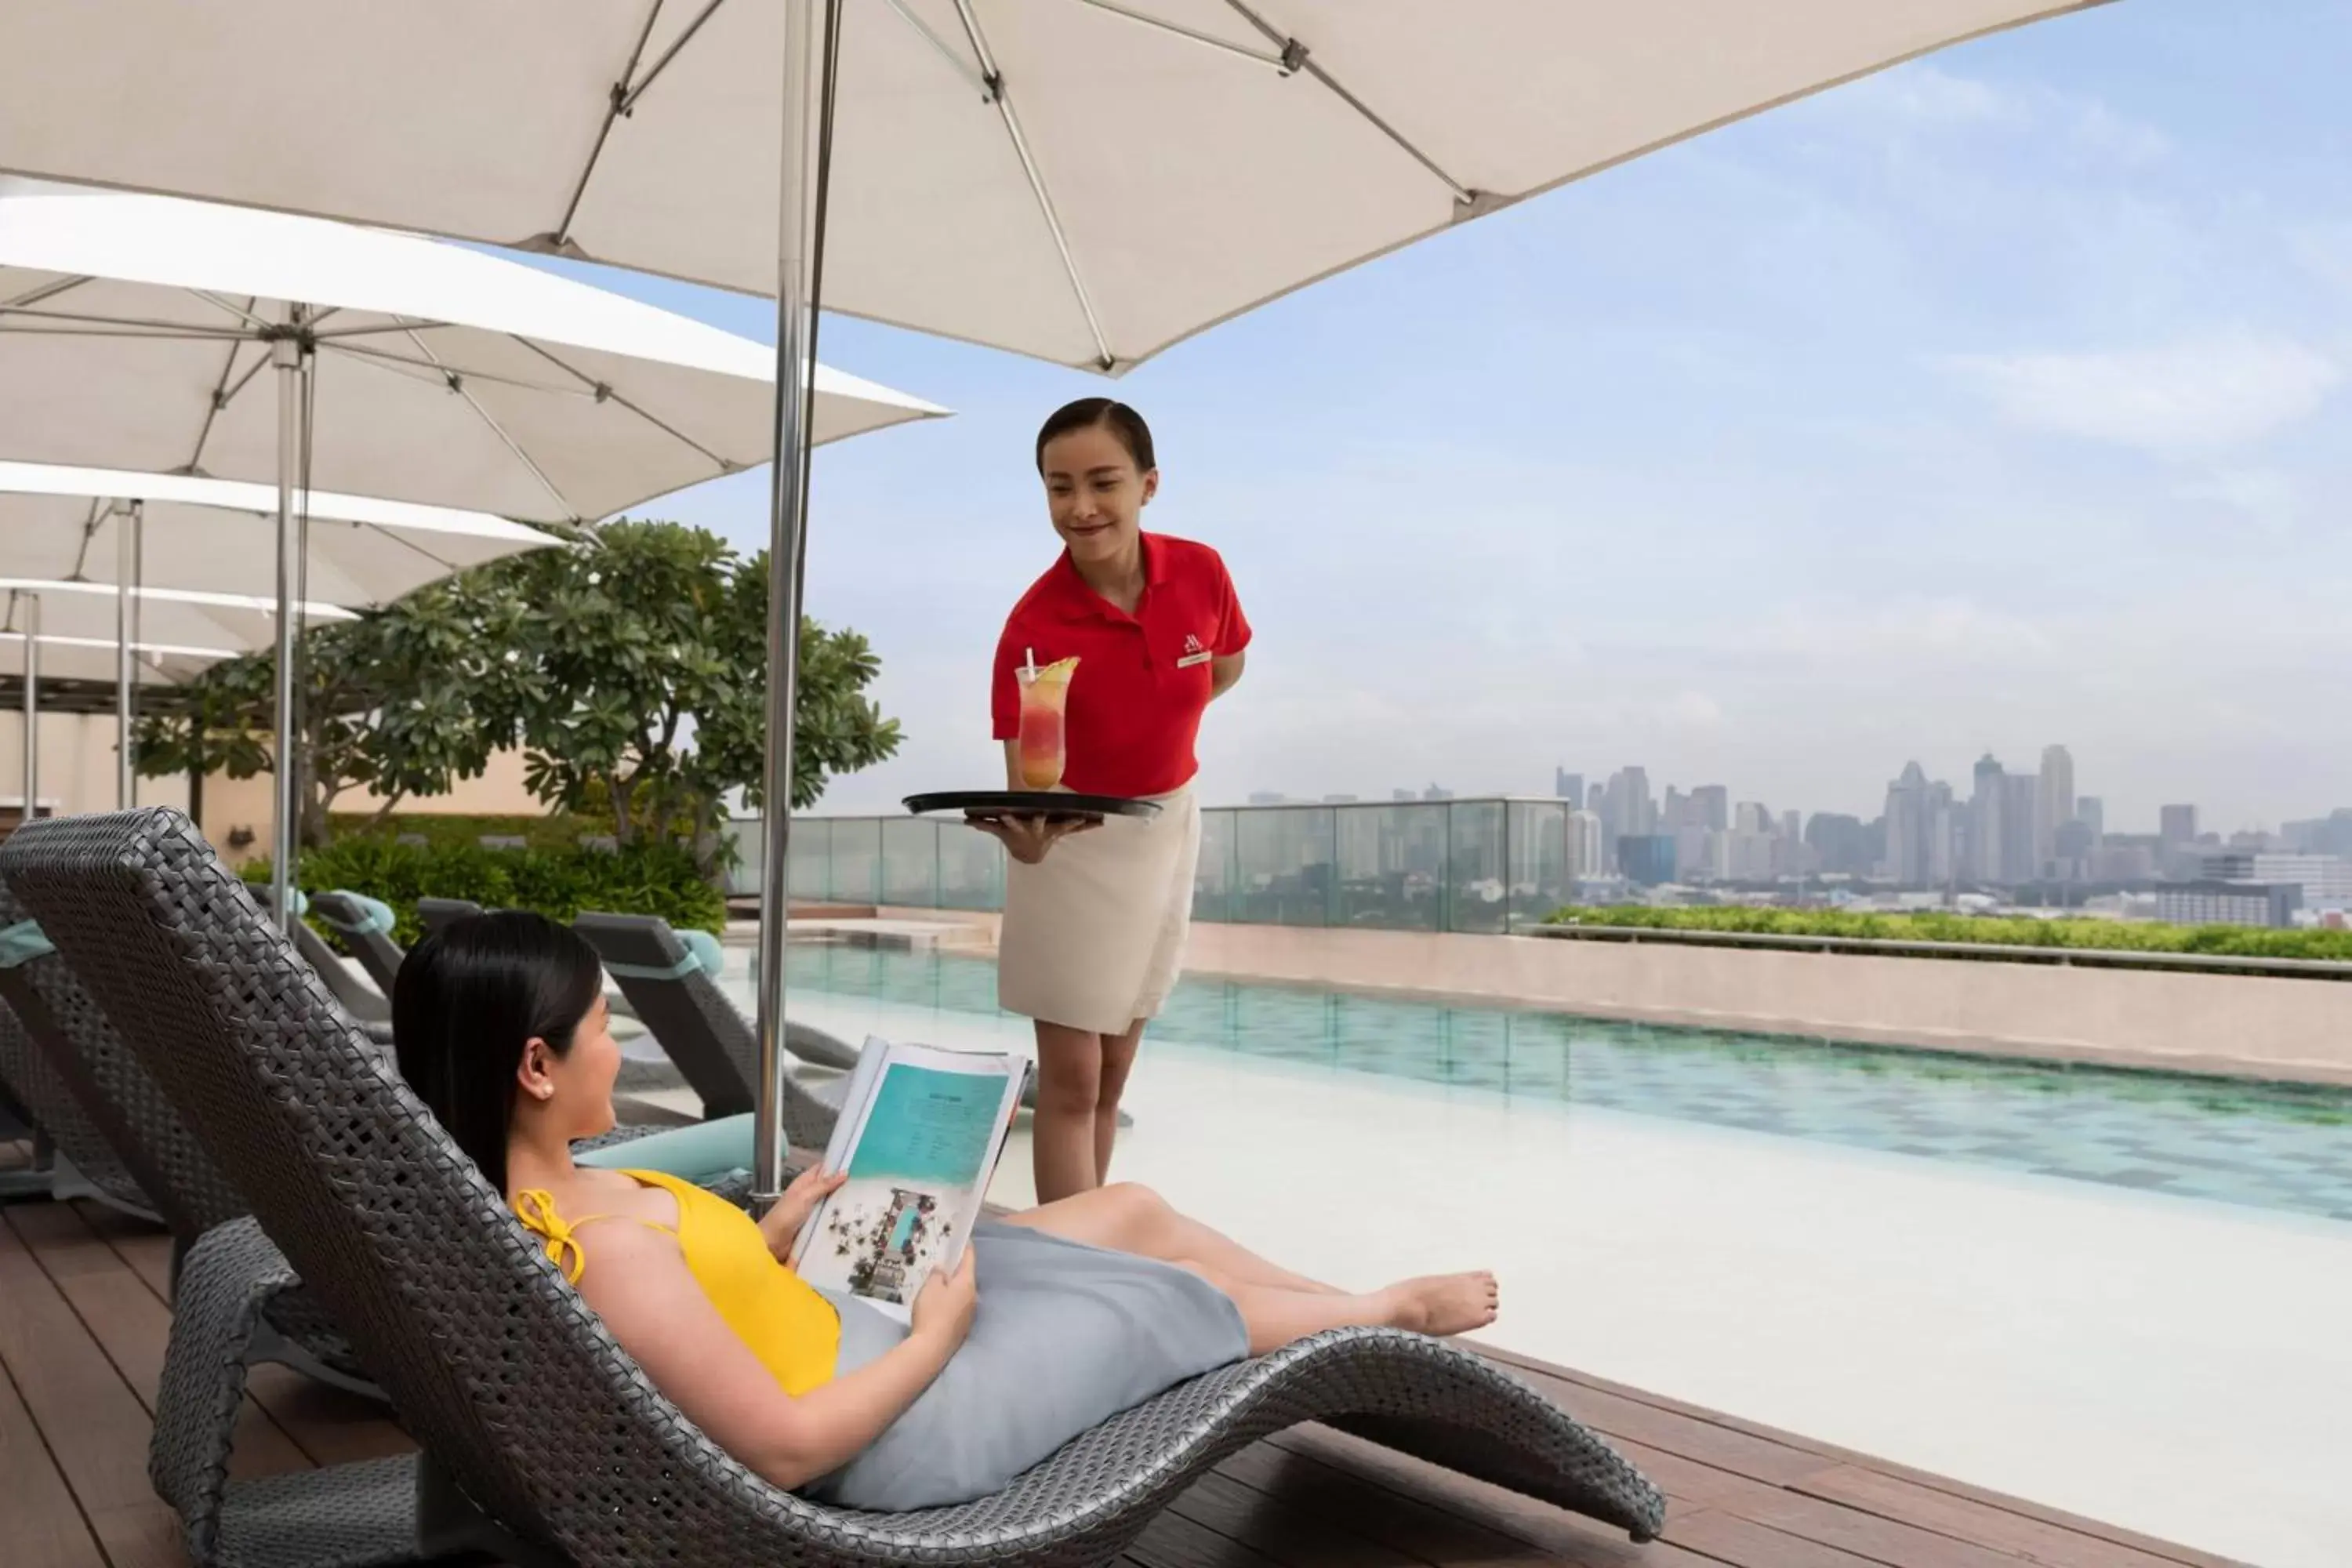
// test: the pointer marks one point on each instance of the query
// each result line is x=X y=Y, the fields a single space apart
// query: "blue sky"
x=1991 y=402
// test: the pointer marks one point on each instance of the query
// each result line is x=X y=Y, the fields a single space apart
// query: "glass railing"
x=1484 y=865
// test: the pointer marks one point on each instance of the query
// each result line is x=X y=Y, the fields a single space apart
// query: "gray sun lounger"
x=366 y=926
x=122 y=1105
x=434 y=913
x=72 y=1158
x=671 y=982
x=544 y=1442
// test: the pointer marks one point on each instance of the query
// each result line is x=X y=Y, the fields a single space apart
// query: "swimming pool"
x=2265 y=1146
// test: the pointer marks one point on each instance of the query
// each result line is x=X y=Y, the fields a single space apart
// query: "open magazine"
x=920 y=1132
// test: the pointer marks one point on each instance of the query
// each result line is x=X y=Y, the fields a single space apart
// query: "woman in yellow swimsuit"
x=1055 y=1318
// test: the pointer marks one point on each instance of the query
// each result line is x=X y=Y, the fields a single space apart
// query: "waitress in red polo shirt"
x=1095 y=917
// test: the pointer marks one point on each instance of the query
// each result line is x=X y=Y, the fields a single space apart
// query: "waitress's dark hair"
x=467 y=1001
x=1100 y=412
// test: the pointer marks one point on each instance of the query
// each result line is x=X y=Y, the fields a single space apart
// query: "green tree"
x=650 y=698
x=401 y=701
x=630 y=663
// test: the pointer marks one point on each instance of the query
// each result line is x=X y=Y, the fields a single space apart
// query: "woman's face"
x=579 y=1084
x=1094 y=494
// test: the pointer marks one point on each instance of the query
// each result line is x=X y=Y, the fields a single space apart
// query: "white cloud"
x=1927 y=98
x=2197 y=395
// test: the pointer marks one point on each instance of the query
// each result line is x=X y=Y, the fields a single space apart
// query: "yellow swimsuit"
x=794 y=1331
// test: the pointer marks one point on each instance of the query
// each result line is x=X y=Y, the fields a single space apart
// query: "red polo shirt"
x=1142 y=682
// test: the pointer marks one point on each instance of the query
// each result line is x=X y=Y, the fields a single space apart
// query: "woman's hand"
x=1026 y=838
x=943 y=1306
x=781 y=1225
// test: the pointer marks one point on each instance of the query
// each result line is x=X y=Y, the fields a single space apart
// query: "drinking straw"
x=1029 y=655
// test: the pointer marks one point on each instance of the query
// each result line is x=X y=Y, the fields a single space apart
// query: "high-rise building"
x=1793 y=826
x=1568 y=786
x=2177 y=825
x=2092 y=813
x=1711 y=805
x=1647 y=858
x=1435 y=792
x=1629 y=812
x=1842 y=844
x=2017 y=863
x=1987 y=808
x=1584 y=841
x=1911 y=831
x=2054 y=806
x=1750 y=816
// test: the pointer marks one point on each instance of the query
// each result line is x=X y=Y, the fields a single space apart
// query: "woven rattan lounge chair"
x=670 y=979
x=72 y=1158
x=526 y=1408
x=365 y=924
x=149 y=1142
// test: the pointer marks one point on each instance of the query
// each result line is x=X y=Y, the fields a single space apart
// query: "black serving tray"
x=1051 y=805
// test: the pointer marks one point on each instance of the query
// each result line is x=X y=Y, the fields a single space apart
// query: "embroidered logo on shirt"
x=1193 y=653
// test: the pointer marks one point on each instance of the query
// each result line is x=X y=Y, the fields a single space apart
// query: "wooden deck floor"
x=83 y=1324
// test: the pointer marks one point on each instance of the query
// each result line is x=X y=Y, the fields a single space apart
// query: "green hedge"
x=560 y=830
x=558 y=882
x=2078 y=933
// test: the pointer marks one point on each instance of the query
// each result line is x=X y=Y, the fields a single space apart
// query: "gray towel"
x=1065 y=1337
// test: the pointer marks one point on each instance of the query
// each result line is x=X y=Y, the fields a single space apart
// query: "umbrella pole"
x=32 y=706
x=286 y=359
x=125 y=564
x=787 y=528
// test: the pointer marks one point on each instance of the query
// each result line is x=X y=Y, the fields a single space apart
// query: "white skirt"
x=1093 y=936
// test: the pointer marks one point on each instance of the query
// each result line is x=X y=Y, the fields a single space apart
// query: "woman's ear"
x=1150 y=485
x=531 y=1073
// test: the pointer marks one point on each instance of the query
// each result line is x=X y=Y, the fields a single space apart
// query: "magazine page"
x=921 y=1137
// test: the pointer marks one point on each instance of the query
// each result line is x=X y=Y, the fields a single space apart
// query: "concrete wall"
x=77 y=753
x=237 y=807
x=2298 y=1030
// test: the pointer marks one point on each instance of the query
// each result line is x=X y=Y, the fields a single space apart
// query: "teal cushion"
x=708 y=953
x=699 y=1152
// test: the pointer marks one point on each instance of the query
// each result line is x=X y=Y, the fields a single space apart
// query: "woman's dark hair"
x=467 y=1001
x=1100 y=412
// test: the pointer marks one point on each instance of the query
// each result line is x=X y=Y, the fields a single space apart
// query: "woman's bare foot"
x=1444 y=1304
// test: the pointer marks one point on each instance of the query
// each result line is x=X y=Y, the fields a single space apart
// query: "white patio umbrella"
x=133 y=330
x=221 y=535
x=1088 y=181
x=175 y=532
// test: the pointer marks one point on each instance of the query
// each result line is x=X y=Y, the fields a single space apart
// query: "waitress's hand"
x=1026 y=838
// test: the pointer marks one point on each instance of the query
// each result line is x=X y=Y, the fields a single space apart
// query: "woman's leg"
x=1132 y=1218
x=1118 y=1061
x=1441 y=1304
x=1062 y=1133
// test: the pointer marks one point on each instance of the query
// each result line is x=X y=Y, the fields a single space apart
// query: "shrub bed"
x=559 y=882
x=2078 y=934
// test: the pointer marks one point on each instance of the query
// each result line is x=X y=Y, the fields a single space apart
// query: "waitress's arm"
x=1223 y=671
x=1012 y=765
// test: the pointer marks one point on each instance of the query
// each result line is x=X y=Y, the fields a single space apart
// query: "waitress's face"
x=1094 y=492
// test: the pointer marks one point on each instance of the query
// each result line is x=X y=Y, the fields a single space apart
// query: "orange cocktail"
x=1044 y=697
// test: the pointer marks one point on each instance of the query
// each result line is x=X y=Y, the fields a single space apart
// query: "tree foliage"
x=631 y=665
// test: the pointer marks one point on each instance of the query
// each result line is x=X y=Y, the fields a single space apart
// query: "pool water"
x=2267 y=1146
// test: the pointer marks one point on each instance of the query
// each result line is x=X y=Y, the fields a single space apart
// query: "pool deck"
x=83 y=1324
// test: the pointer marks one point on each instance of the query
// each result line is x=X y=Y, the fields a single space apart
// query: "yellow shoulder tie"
x=535 y=1206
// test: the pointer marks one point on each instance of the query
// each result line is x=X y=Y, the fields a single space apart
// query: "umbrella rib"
x=438 y=371
x=223 y=394
x=246 y=312
x=144 y=333
x=49 y=290
x=994 y=81
x=603 y=393
x=956 y=62
x=79 y=319
x=629 y=100
x=1206 y=39
x=457 y=384
x=1294 y=56
x=618 y=100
